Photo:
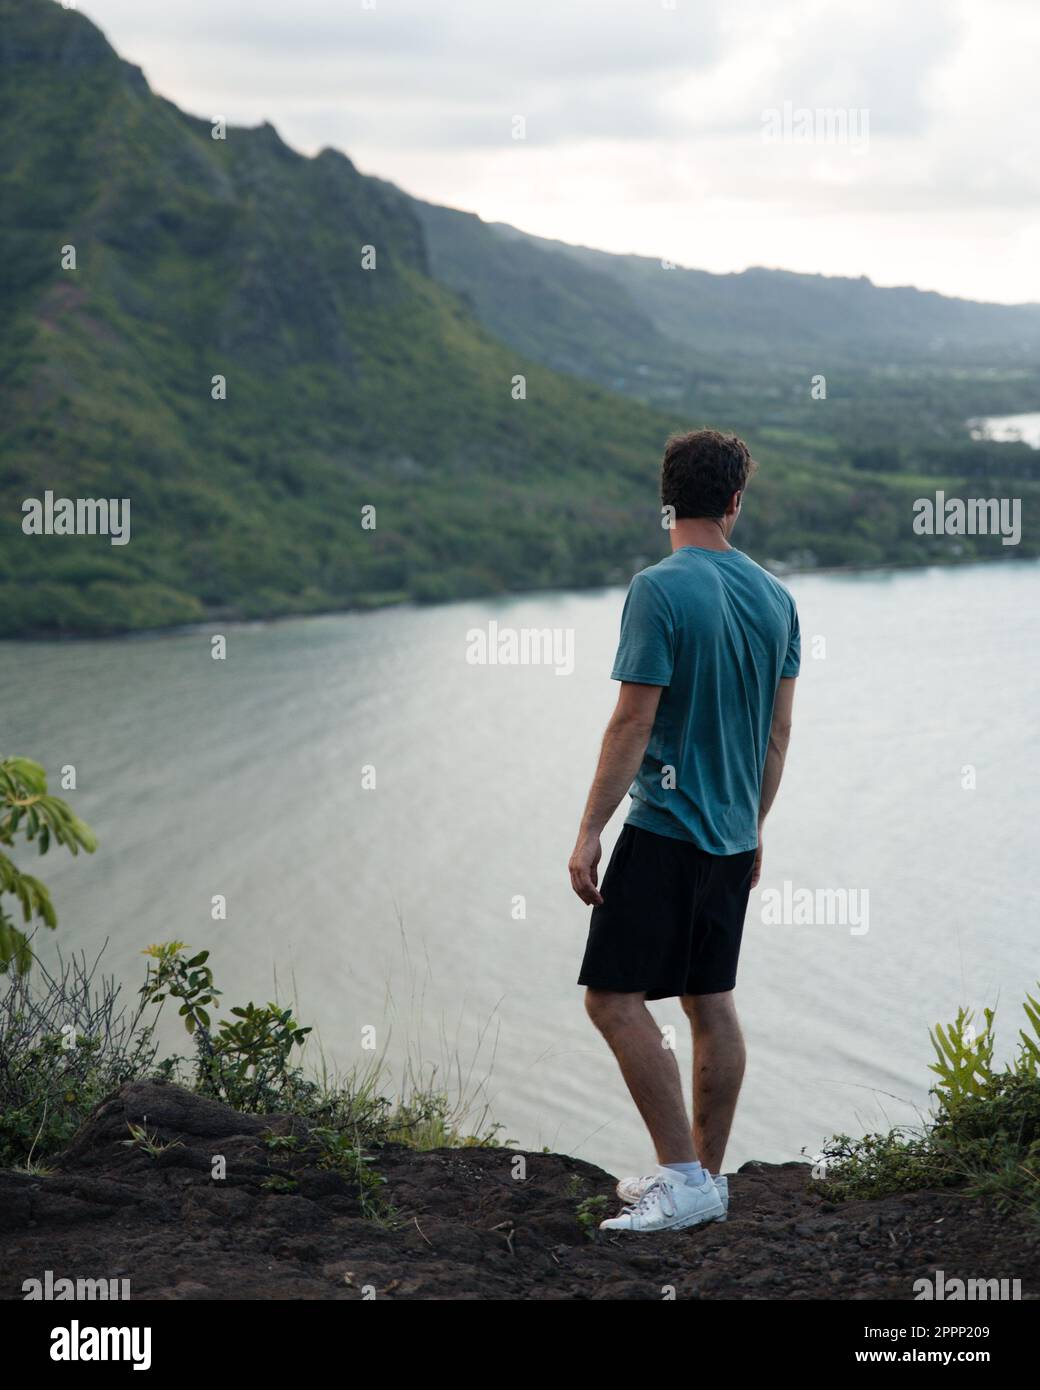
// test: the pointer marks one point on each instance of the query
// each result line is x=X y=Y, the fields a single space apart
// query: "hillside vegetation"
x=392 y=387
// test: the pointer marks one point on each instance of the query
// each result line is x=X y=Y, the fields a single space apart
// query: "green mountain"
x=748 y=342
x=758 y=313
x=339 y=387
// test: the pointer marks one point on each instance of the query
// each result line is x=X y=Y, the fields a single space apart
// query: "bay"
x=436 y=908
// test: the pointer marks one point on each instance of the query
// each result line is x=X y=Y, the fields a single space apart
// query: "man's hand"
x=756 y=871
x=584 y=869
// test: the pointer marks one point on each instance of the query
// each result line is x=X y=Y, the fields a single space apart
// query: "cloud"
x=644 y=116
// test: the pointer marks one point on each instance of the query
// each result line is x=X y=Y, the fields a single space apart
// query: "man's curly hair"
x=702 y=470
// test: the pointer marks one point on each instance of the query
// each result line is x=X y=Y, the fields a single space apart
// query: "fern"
x=965 y=1063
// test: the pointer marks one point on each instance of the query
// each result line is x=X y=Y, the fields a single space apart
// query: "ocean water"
x=435 y=909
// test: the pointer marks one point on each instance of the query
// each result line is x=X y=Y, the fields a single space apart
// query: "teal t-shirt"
x=719 y=632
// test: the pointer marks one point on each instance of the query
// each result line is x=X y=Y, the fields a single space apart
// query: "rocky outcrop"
x=213 y=1211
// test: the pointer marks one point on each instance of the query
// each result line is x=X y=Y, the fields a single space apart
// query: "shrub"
x=65 y=1044
x=984 y=1134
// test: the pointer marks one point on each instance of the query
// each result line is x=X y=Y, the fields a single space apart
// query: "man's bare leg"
x=718 y=1070
x=649 y=1068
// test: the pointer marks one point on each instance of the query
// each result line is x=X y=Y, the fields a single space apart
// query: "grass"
x=66 y=1042
x=148 y=1142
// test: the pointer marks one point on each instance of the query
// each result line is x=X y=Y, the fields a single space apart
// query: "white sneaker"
x=631 y=1189
x=668 y=1203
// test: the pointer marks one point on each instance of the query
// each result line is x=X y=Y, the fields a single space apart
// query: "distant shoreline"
x=228 y=618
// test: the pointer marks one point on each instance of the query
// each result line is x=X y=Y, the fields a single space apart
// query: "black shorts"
x=671 y=918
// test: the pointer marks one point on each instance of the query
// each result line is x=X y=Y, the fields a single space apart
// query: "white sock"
x=692 y=1172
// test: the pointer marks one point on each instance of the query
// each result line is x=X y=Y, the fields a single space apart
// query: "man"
x=709 y=652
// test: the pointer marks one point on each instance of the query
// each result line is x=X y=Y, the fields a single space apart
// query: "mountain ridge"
x=494 y=461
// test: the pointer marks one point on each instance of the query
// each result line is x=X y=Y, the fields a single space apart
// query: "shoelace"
x=657 y=1186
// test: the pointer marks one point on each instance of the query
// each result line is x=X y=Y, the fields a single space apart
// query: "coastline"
x=229 y=618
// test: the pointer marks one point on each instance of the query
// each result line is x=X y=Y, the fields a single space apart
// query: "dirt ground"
x=463 y=1226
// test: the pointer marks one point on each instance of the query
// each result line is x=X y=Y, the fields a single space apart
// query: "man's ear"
x=734 y=504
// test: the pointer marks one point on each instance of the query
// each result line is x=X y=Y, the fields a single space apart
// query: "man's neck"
x=701 y=531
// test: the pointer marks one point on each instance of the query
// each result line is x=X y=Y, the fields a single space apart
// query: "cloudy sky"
x=647 y=123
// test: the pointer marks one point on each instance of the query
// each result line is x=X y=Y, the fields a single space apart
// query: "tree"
x=26 y=807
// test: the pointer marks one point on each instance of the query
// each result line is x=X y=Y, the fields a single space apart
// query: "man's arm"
x=779 y=738
x=624 y=744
